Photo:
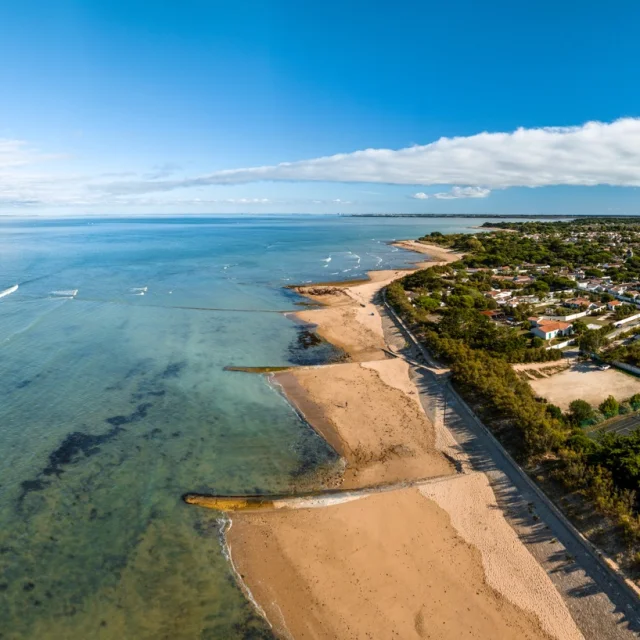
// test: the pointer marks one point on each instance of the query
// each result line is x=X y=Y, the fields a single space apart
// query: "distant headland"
x=532 y=216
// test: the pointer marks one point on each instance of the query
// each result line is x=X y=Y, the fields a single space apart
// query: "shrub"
x=580 y=411
x=610 y=407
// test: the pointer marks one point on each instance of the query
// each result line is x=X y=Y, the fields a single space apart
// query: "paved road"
x=622 y=425
x=602 y=609
x=624 y=328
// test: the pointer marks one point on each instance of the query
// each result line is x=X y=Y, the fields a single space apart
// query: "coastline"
x=366 y=567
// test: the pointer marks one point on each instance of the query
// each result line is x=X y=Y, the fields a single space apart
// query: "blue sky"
x=157 y=107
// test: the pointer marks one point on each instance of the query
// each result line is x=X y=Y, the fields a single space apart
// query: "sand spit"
x=438 y=254
x=508 y=567
x=371 y=420
x=390 y=565
x=349 y=319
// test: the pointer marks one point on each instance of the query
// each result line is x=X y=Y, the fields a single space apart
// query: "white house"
x=549 y=329
x=499 y=296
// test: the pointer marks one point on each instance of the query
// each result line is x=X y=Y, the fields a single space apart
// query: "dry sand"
x=509 y=568
x=585 y=381
x=372 y=417
x=389 y=565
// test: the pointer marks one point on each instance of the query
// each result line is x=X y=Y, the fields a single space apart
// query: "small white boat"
x=8 y=291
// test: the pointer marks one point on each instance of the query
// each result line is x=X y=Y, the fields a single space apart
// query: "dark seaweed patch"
x=33 y=485
x=308 y=339
x=173 y=370
x=75 y=444
x=153 y=434
x=79 y=443
x=308 y=348
x=23 y=384
x=138 y=414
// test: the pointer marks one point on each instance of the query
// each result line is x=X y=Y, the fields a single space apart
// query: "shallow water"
x=114 y=403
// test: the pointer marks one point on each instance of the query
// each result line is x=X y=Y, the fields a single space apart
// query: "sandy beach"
x=433 y=558
x=373 y=419
x=389 y=565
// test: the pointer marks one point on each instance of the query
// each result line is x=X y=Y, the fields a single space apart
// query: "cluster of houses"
x=553 y=325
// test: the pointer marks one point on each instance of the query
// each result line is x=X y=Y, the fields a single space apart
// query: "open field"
x=585 y=381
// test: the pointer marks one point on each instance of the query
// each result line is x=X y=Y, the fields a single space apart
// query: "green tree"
x=554 y=411
x=591 y=341
x=624 y=311
x=610 y=407
x=427 y=303
x=579 y=327
x=580 y=411
x=473 y=244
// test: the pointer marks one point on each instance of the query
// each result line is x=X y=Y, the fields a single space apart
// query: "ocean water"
x=114 y=402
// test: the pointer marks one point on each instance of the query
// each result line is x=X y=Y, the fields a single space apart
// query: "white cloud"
x=590 y=154
x=246 y=200
x=454 y=194
x=463 y=192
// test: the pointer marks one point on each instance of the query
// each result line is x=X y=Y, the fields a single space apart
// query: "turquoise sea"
x=114 y=402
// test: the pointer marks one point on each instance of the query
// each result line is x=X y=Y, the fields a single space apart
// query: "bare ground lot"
x=585 y=381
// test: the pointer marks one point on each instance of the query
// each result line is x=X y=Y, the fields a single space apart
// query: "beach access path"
x=601 y=607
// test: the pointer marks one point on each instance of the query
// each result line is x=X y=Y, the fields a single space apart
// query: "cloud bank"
x=595 y=153
x=590 y=154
